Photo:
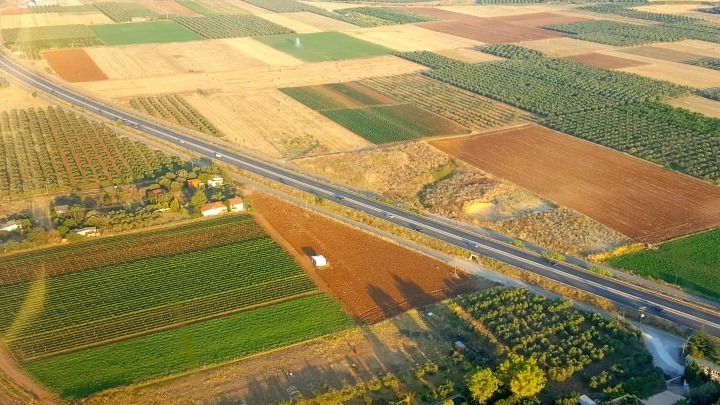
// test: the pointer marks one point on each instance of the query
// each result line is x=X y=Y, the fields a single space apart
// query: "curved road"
x=664 y=306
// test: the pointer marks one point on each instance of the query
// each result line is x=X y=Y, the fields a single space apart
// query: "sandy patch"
x=701 y=105
x=48 y=19
x=255 y=49
x=605 y=61
x=74 y=65
x=468 y=55
x=256 y=78
x=152 y=60
x=271 y=122
x=287 y=21
x=321 y=22
x=561 y=47
x=410 y=38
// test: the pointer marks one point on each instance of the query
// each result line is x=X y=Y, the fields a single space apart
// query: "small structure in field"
x=61 y=209
x=10 y=226
x=216 y=181
x=460 y=347
x=214 y=208
x=87 y=231
x=319 y=260
x=194 y=183
x=236 y=204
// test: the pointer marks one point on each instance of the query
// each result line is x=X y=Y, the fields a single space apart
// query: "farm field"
x=565 y=46
x=175 y=109
x=665 y=54
x=506 y=9
x=264 y=78
x=320 y=22
x=144 y=33
x=286 y=20
x=702 y=105
x=250 y=48
x=230 y=26
x=67 y=151
x=31 y=41
x=74 y=65
x=605 y=61
x=409 y=38
x=168 y=7
x=678 y=73
x=633 y=197
x=11 y=393
x=540 y=19
x=468 y=55
x=373 y=278
x=689 y=9
x=14 y=97
x=273 y=123
x=124 y=12
x=52 y=19
x=480 y=29
x=690 y=262
x=154 y=60
x=324 y=46
x=708 y=49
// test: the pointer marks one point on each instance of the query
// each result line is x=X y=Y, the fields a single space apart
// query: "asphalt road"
x=683 y=313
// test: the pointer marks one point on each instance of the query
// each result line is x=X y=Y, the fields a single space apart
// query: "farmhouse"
x=194 y=183
x=10 y=226
x=710 y=368
x=214 y=208
x=216 y=181
x=87 y=231
x=236 y=204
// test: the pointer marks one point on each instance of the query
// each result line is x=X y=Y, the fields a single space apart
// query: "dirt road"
x=9 y=366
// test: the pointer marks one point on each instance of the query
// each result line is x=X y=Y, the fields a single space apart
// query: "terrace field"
x=690 y=262
x=324 y=46
x=144 y=33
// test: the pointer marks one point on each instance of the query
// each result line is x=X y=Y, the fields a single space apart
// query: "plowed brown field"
x=539 y=19
x=74 y=65
x=636 y=198
x=373 y=278
x=488 y=30
x=605 y=61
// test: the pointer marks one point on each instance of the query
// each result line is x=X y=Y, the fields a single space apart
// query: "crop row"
x=230 y=26
x=51 y=149
x=336 y=96
x=88 y=371
x=627 y=11
x=625 y=34
x=115 y=290
x=175 y=109
x=710 y=63
x=673 y=137
x=123 y=12
x=461 y=106
x=549 y=86
x=713 y=94
x=86 y=255
x=565 y=341
x=510 y=51
x=379 y=16
x=100 y=331
x=196 y=7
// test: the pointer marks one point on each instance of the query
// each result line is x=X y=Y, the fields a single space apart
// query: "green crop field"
x=335 y=96
x=144 y=33
x=324 y=46
x=229 y=26
x=690 y=262
x=117 y=364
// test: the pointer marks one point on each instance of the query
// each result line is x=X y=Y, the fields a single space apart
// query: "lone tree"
x=482 y=385
x=523 y=376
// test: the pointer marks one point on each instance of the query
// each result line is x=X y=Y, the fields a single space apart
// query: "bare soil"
x=634 y=197
x=539 y=19
x=74 y=65
x=605 y=61
x=168 y=7
x=374 y=279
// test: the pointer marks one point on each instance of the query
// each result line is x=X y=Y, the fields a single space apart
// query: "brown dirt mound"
x=636 y=198
x=373 y=278
x=74 y=65
x=605 y=61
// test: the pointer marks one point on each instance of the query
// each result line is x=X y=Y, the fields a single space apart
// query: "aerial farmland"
x=142 y=268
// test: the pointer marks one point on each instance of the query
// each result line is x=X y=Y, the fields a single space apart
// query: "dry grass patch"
x=49 y=19
x=152 y=60
x=287 y=21
x=321 y=22
x=273 y=123
x=701 y=105
x=561 y=47
x=13 y=97
x=410 y=38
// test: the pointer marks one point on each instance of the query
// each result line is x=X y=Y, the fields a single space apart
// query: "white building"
x=319 y=260
x=236 y=204
x=10 y=226
x=216 y=181
x=214 y=208
x=87 y=231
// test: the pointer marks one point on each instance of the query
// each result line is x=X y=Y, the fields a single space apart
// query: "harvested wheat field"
x=256 y=78
x=373 y=278
x=271 y=122
x=665 y=54
x=480 y=29
x=566 y=46
x=74 y=65
x=410 y=38
x=605 y=61
x=688 y=9
x=257 y=50
x=468 y=55
x=47 y=19
x=539 y=19
x=701 y=105
x=168 y=7
x=321 y=22
x=678 y=73
x=636 y=198
x=286 y=21
x=153 y=60
x=708 y=49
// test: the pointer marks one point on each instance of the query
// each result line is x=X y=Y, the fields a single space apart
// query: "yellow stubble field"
x=410 y=38
x=49 y=19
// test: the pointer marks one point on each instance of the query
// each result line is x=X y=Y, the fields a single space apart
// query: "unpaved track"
x=10 y=367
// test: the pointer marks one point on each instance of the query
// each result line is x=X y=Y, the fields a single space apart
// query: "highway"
x=683 y=313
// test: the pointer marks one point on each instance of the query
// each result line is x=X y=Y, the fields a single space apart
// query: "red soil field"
x=74 y=65
x=169 y=7
x=605 y=61
x=637 y=198
x=373 y=278
x=489 y=30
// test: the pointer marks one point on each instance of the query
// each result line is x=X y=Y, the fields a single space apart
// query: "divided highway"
x=684 y=313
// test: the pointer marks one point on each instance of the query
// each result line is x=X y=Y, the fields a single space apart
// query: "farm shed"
x=87 y=231
x=194 y=183
x=10 y=226
x=319 y=260
x=214 y=208
x=236 y=204
x=216 y=181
